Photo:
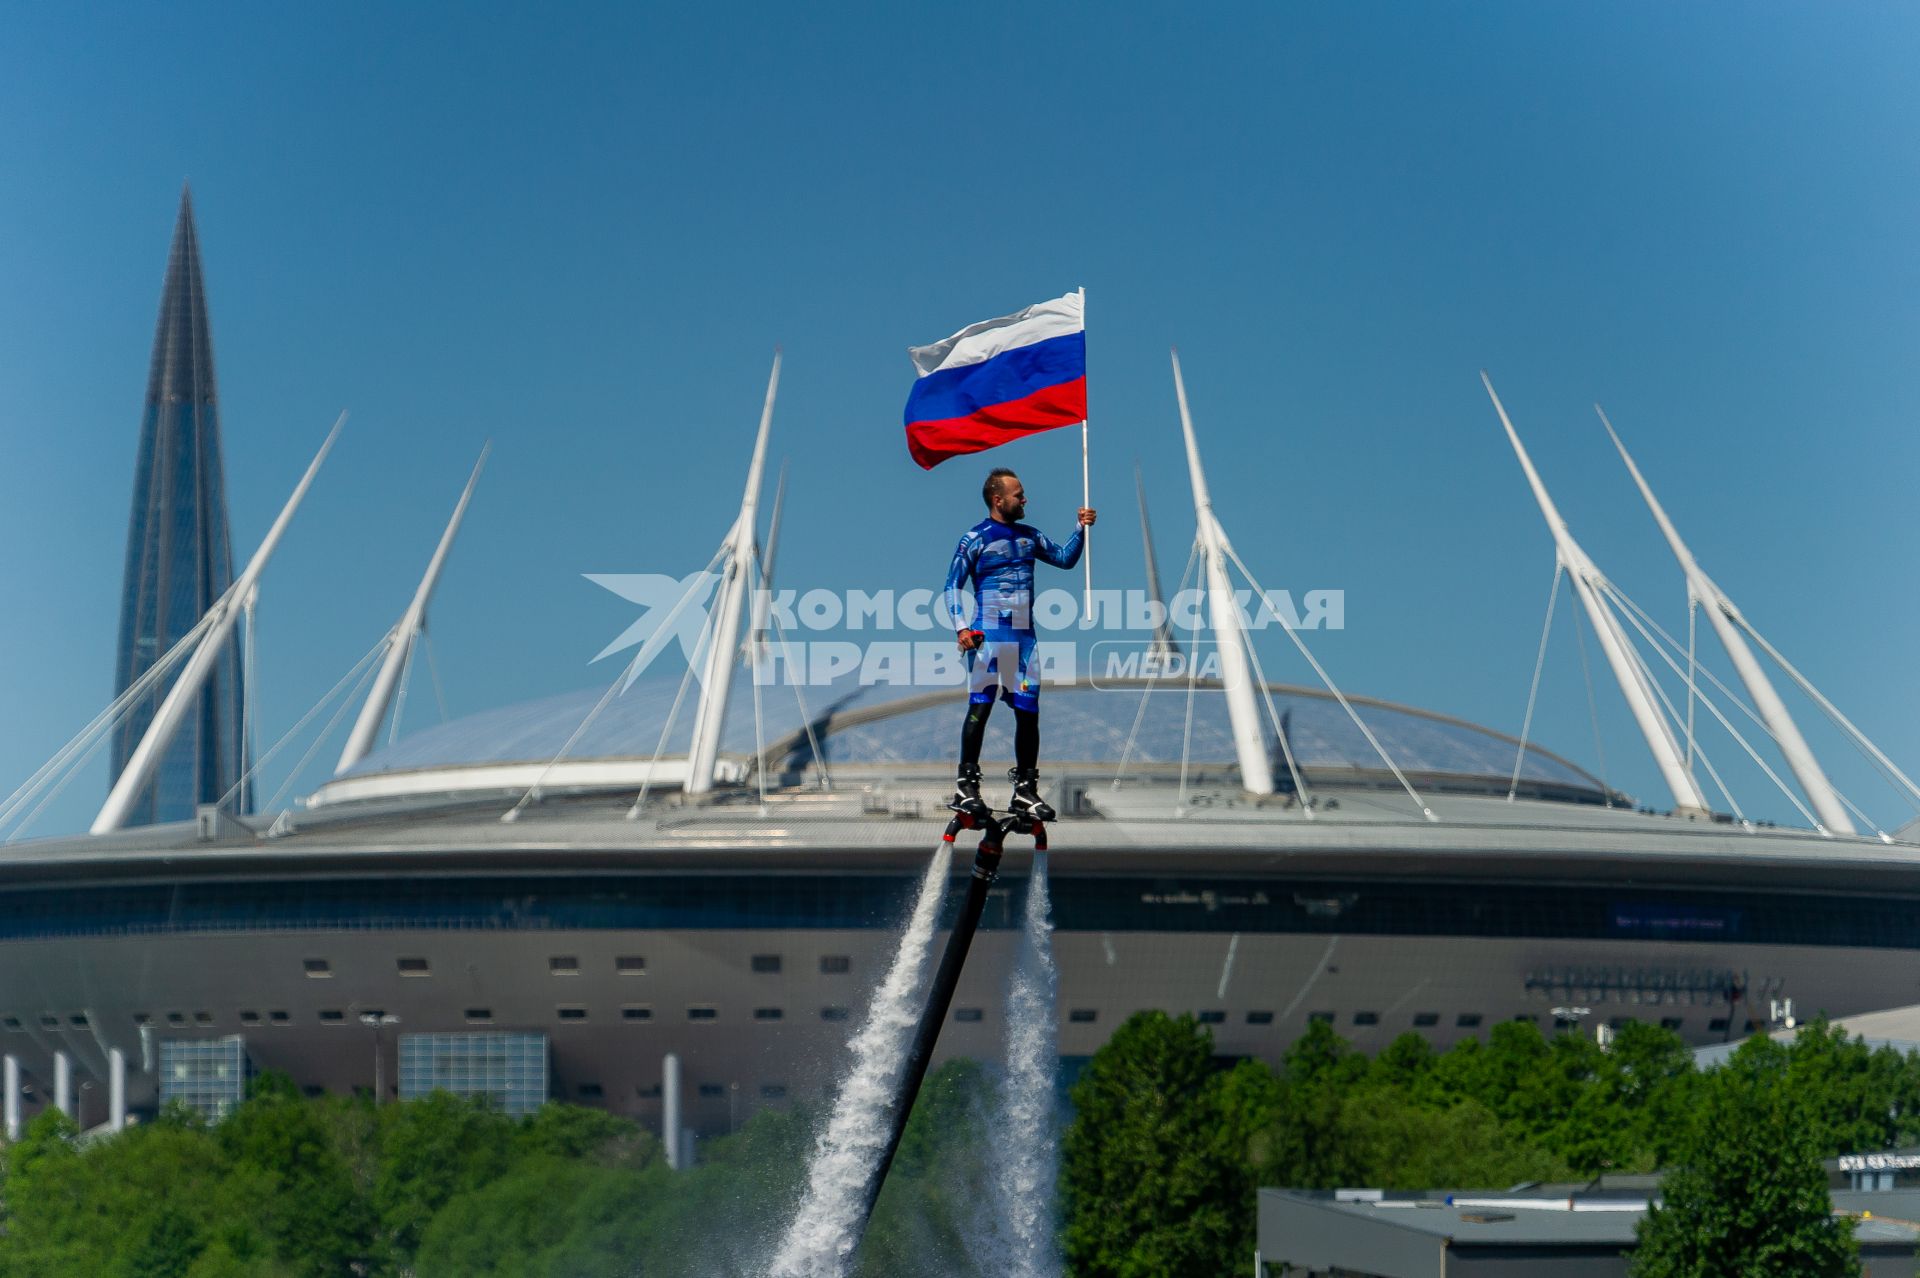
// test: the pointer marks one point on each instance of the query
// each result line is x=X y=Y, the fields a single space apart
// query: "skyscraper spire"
x=179 y=554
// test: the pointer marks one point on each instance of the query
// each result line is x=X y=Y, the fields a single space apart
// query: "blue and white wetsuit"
x=998 y=559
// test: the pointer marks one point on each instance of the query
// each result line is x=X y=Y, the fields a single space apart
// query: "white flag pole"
x=1086 y=545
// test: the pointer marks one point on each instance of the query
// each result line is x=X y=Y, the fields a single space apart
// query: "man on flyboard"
x=997 y=555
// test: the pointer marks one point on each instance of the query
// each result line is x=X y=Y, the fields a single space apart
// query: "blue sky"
x=581 y=232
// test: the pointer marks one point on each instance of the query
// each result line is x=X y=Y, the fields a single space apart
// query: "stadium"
x=677 y=912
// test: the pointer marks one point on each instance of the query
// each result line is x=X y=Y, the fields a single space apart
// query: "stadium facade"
x=743 y=943
x=485 y=906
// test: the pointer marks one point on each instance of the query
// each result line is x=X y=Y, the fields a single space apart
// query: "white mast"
x=1585 y=575
x=1720 y=611
x=723 y=648
x=401 y=639
x=1250 y=744
x=145 y=758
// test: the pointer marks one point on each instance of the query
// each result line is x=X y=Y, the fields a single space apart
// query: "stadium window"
x=1325 y=1017
x=590 y=1091
x=333 y=1016
x=203 y=1018
x=414 y=967
x=176 y=1018
x=1425 y=1020
x=1366 y=1018
x=249 y=1018
x=773 y=1091
x=280 y=1018
x=317 y=969
x=1259 y=1018
x=836 y=964
x=49 y=1022
x=313 y=1091
x=1528 y=1017
x=630 y=965
x=1565 y=1022
x=1754 y=1027
x=1467 y=1020
x=712 y=1091
x=651 y=1092
x=78 y=1020
x=139 y=1018
x=833 y=1013
x=1671 y=1022
x=968 y=1015
x=768 y=964
x=703 y=1013
x=1212 y=1017
x=13 y=1022
x=479 y=1016
x=571 y=1013
x=564 y=965
x=766 y=1013
x=1619 y=1022
x=1083 y=1015
x=634 y=1012
x=1717 y=1025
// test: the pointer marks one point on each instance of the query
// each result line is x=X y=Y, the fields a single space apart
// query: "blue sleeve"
x=1045 y=548
x=965 y=556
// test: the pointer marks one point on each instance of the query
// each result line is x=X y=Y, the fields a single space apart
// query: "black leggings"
x=1026 y=736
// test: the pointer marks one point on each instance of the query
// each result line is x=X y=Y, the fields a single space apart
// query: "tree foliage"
x=1749 y=1196
x=1148 y=1193
x=1160 y=1164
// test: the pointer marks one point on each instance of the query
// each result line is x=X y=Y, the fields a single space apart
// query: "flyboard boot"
x=966 y=797
x=1026 y=803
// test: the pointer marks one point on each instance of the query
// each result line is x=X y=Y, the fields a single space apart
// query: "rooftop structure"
x=1524 y=1233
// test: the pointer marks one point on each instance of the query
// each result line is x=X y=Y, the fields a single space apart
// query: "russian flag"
x=999 y=380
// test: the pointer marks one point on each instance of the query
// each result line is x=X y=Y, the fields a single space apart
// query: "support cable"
x=1280 y=732
x=753 y=676
x=1646 y=622
x=1673 y=716
x=346 y=703
x=1693 y=621
x=250 y=670
x=1866 y=746
x=806 y=719
x=406 y=681
x=433 y=668
x=356 y=675
x=110 y=718
x=26 y=822
x=1186 y=734
x=1140 y=714
x=1713 y=708
x=666 y=728
x=627 y=675
x=1340 y=696
x=1533 y=689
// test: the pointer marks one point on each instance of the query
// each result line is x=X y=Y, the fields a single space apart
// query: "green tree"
x=430 y=1150
x=1749 y=1196
x=1151 y=1189
x=293 y=1179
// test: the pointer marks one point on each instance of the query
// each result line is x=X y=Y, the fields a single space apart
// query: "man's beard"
x=1017 y=513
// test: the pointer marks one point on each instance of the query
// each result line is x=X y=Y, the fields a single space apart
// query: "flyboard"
x=986 y=868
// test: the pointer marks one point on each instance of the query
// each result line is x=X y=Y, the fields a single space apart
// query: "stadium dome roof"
x=876 y=728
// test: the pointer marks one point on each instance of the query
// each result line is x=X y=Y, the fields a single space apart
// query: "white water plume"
x=819 y=1242
x=1024 y=1145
